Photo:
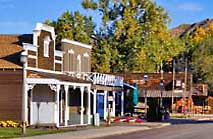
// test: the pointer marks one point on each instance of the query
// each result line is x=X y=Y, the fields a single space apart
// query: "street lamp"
x=161 y=99
x=161 y=93
x=145 y=91
x=23 y=60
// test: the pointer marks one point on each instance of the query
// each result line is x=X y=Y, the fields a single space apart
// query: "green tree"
x=74 y=26
x=203 y=62
x=135 y=35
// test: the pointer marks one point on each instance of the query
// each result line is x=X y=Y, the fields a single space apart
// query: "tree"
x=203 y=62
x=73 y=26
x=133 y=36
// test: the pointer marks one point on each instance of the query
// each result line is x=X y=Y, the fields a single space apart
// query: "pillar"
x=57 y=103
x=89 y=105
x=61 y=107
x=105 y=104
x=122 y=103
x=26 y=104
x=30 y=88
x=113 y=104
x=66 y=116
x=31 y=107
x=82 y=106
x=94 y=102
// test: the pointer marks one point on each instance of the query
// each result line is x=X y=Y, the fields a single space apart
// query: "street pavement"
x=194 y=128
x=117 y=129
x=188 y=129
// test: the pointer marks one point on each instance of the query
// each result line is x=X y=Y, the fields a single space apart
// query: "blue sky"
x=20 y=16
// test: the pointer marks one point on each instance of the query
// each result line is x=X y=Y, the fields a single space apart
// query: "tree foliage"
x=74 y=26
x=133 y=36
x=202 y=57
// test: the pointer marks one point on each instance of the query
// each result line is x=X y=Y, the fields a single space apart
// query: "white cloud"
x=193 y=7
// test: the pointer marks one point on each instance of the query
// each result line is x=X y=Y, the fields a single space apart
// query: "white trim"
x=55 y=81
x=36 y=33
x=40 y=26
x=59 y=53
x=128 y=85
x=43 y=70
x=31 y=47
x=32 y=56
x=42 y=81
x=77 y=43
x=76 y=84
x=58 y=62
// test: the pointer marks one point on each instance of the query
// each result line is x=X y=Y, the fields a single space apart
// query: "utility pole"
x=161 y=84
x=191 y=91
x=173 y=84
x=185 y=84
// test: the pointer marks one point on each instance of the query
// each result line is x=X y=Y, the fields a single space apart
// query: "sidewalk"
x=101 y=131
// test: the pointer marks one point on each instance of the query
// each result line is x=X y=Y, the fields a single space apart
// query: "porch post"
x=66 y=116
x=82 y=105
x=113 y=104
x=26 y=104
x=89 y=106
x=31 y=107
x=30 y=88
x=122 y=103
x=94 y=102
x=105 y=104
x=61 y=107
x=57 y=103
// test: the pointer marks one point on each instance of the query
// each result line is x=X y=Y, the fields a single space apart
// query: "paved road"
x=196 y=130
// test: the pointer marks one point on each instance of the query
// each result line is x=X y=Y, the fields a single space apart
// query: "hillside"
x=183 y=29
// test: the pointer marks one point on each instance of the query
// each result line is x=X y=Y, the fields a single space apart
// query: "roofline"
x=77 y=43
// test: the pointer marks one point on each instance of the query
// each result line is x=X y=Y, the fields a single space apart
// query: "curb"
x=132 y=131
x=164 y=125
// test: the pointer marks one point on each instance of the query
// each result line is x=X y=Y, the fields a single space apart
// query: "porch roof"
x=60 y=77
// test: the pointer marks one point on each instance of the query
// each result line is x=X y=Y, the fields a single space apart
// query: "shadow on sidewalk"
x=187 y=121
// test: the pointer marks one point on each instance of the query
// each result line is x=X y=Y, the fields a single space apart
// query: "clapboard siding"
x=10 y=95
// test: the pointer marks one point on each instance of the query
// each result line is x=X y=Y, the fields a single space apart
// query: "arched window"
x=46 y=46
x=86 y=62
x=70 y=60
x=79 y=63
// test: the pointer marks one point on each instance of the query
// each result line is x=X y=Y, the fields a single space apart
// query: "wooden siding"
x=31 y=53
x=11 y=94
x=58 y=67
x=70 y=61
x=153 y=80
x=45 y=62
x=31 y=62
